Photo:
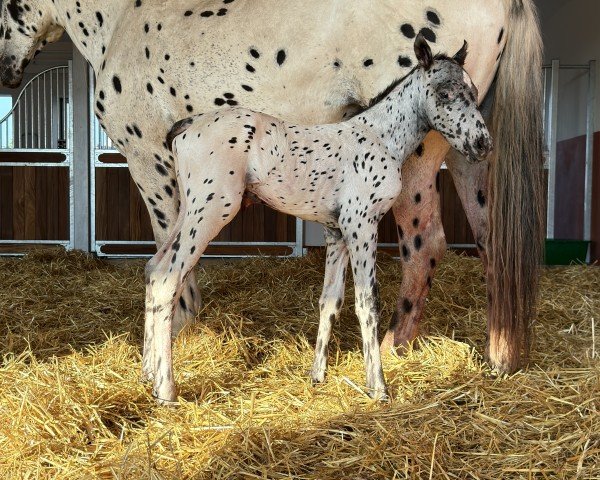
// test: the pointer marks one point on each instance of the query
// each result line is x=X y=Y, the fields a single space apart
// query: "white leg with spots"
x=166 y=281
x=148 y=349
x=332 y=299
x=362 y=245
x=162 y=207
x=212 y=195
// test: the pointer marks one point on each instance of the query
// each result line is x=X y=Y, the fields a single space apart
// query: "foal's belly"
x=313 y=203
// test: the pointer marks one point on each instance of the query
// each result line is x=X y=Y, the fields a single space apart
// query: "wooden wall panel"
x=34 y=202
x=6 y=194
x=18 y=206
x=121 y=215
x=34 y=205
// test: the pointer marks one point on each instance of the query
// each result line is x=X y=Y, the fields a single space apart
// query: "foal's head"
x=450 y=101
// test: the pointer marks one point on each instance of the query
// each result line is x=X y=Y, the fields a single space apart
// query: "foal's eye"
x=445 y=95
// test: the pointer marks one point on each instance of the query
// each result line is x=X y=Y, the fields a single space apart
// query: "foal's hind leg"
x=198 y=224
x=331 y=300
x=421 y=238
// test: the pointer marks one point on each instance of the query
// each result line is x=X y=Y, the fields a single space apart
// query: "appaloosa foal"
x=345 y=176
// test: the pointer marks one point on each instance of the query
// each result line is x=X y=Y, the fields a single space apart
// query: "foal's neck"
x=399 y=119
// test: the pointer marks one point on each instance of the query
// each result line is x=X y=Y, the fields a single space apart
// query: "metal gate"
x=39 y=124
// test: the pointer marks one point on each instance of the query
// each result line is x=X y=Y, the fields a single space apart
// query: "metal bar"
x=38 y=114
x=30 y=127
x=552 y=139
x=24 y=89
x=101 y=151
x=299 y=244
x=65 y=107
x=45 y=111
x=567 y=67
x=51 y=112
x=65 y=163
x=101 y=254
x=25 y=118
x=216 y=244
x=93 y=158
x=450 y=245
x=544 y=109
x=35 y=150
x=100 y=164
x=589 y=153
x=71 y=159
x=34 y=242
x=17 y=141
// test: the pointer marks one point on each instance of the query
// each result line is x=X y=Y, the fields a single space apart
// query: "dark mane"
x=383 y=94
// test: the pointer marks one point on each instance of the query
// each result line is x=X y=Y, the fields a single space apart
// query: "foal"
x=345 y=176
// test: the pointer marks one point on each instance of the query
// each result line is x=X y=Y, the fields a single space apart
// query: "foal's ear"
x=423 y=52
x=461 y=55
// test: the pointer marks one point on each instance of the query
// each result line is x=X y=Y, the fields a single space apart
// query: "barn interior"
x=74 y=238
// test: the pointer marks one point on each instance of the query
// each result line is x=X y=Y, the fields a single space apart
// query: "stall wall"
x=570 y=29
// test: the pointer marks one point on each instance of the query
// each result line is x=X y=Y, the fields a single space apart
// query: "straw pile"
x=71 y=406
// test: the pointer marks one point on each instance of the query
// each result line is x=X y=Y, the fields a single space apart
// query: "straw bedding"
x=71 y=406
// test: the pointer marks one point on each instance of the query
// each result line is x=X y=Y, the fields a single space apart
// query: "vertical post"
x=552 y=140
x=299 y=247
x=94 y=128
x=589 y=153
x=81 y=150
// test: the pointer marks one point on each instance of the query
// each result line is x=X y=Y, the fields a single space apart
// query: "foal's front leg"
x=362 y=244
x=331 y=300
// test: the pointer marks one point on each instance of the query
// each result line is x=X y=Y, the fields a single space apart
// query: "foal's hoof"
x=380 y=395
x=166 y=403
x=317 y=377
x=165 y=396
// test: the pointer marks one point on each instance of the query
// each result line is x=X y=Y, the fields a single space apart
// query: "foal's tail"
x=516 y=215
x=177 y=129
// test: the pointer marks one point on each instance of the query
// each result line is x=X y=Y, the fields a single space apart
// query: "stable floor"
x=72 y=407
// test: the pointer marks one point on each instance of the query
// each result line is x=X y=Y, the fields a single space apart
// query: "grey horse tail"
x=516 y=216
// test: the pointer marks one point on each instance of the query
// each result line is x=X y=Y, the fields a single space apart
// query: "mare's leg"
x=331 y=300
x=421 y=238
x=471 y=180
x=157 y=183
x=361 y=241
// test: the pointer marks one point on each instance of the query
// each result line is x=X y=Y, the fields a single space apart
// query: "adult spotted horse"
x=315 y=62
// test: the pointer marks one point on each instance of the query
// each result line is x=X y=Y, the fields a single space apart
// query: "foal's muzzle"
x=481 y=148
